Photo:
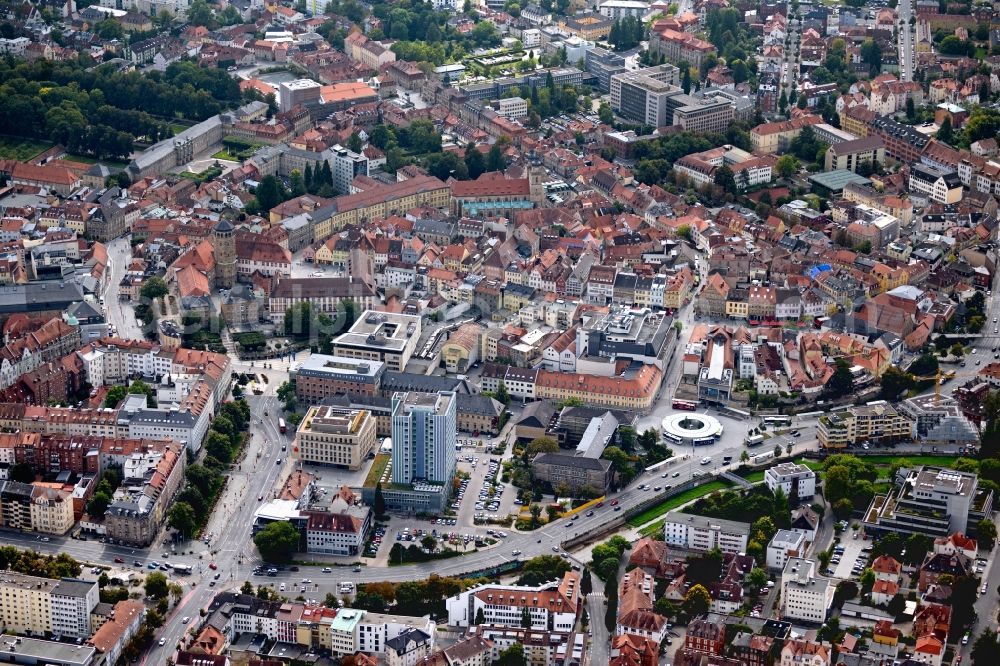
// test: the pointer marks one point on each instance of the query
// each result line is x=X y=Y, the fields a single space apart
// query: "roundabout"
x=691 y=429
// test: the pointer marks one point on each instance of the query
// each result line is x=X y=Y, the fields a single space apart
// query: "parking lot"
x=849 y=552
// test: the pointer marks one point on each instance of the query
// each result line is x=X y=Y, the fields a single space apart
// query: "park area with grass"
x=211 y=173
x=21 y=149
x=672 y=503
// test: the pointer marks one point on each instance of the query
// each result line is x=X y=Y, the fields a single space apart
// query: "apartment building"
x=344 y=631
x=552 y=606
x=514 y=108
x=321 y=376
x=407 y=648
x=150 y=481
x=784 y=544
x=636 y=390
x=939 y=185
x=805 y=596
x=51 y=509
x=641 y=95
x=877 y=421
x=776 y=137
x=676 y=46
x=323 y=295
x=805 y=653
x=703 y=114
x=345 y=166
x=902 y=142
x=387 y=337
x=935 y=501
x=340 y=530
x=857 y=152
x=702 y=534
x=42 y=606
x=379 y=201
x=113 y=636
x=577 y=472
x=796 y=481
x=335 y=436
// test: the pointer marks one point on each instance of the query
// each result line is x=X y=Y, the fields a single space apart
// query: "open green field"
x=226 y=155
x=672 y=503
x=889 y=461
x=12 y=148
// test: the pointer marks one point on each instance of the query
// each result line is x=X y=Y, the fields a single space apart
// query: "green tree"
x=156 y=585
x=586 y=583
x=502 y=395
x=219 y=446
x=114 y=396
x=724 y=178
x=139 y=387
x=787 y=166
x=686 y=80
x=944 y=133
x=697 y=601
x=842 y=382
x=843 y=508
x=871 y=55
x=199 y=13
x=495 y=161
x=514 y=655
x=269 y=193
x=894 y=381
x=277 y=542
x=986 y=532
x=22 y=472
x=182 y=518
x=605 y=113
x=541 y=445
x=98 y=504
x=297 y=184
x=355 y=143
x=986 y=651
x=758 y=578
x=153 y=288
x=475 y=163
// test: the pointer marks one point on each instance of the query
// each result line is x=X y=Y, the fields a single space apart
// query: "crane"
x=937 y=379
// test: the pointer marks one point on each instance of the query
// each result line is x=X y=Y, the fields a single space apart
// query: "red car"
x=614 y=502
x=599 y=505
x=119 y=560
x=213 y=566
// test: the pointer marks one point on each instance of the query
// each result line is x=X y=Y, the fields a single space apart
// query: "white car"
x=163 y=641
x=706 y=460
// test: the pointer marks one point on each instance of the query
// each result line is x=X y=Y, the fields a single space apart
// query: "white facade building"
x=553 y=606
x=795 y=480
x=805 y=596
x=784 y=544
x=513 y=108
x=703 y=534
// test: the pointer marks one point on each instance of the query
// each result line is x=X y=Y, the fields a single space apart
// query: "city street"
x=906 y=50
x=119 y=312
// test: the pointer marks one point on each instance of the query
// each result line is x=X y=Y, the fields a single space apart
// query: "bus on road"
x=686 y=405
x=281 y=426
x=182 y=569
x=777 y=420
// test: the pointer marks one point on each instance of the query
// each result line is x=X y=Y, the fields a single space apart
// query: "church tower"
x=225 y=255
